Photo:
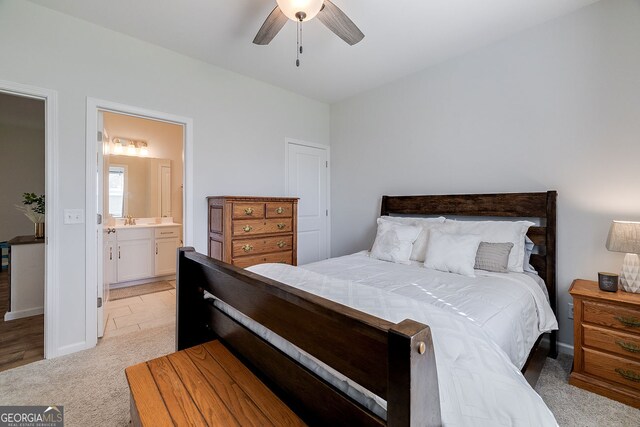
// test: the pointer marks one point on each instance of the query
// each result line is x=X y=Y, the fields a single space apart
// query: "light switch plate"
x=74 y=216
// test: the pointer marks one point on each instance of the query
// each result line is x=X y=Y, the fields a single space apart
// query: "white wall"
x=239 y=123
x=21 y=171
x=555 y=107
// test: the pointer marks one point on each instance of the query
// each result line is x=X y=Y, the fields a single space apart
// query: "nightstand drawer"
x=611 y=315
x=612 y=368
x=624 y=344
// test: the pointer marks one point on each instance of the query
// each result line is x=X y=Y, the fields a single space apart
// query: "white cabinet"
x=167 y=241
x=135 y=250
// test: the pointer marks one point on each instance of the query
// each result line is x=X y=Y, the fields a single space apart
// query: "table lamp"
x=624 y=236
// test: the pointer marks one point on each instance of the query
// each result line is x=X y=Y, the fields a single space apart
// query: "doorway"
x=141 y=169
x=28 y=289
x=307 y=177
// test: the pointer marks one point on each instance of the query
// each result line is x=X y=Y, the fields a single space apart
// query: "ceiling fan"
x=303 y=10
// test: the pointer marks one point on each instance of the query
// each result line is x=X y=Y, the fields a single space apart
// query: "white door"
x=307 y=176
x=103 y=280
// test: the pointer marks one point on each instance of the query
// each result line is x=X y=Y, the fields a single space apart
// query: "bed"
x=365 y=369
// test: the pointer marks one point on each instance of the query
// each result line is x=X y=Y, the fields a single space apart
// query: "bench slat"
x=174 y=394
x=263 y=398
x=211 y=406
x=231 y=394
x=151 y=409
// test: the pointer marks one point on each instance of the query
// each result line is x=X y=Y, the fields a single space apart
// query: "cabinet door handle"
x=247 y=228
x=629 y=346
x=279 y=210
x=118 y=252
x=628 y=375
x=110 y=253
x=632 y=322
x=156 y=249
x=281 y=226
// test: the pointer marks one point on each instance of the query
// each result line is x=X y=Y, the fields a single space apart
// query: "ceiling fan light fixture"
x=292 y=9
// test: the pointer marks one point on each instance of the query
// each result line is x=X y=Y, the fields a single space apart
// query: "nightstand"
x=606 y=330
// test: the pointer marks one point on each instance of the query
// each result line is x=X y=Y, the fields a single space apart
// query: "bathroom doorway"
x=141 y=206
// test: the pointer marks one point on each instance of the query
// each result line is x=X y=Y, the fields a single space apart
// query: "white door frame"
x=292 y=141
x=51 y=284
x=93 y=106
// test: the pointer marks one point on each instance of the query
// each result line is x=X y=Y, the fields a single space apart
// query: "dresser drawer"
x=622 y=343
x=261 y=246
x=611 y=315
x=248 y=210
x=279 y=210
x=280 y=257
x=612 y=368
x=267 y=226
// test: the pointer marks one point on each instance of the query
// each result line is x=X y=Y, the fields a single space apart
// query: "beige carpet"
x=92 y=387
x=137 y=290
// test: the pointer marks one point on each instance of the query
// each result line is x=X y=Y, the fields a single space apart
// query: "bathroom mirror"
x=137 y=186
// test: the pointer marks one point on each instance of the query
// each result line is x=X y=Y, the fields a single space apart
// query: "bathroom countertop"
x=120 y=227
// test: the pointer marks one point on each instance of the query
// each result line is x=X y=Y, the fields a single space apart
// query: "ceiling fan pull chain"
x=301 y=43
x=297 y=43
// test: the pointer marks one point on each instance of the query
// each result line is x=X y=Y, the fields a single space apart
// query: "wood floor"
x=21 y=340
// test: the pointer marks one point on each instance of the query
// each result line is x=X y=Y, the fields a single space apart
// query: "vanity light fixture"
x=117 y=146
x=131 y=149
x=144 y=149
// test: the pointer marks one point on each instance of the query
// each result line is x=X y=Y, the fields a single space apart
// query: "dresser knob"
x=281 y=226
x=247 y=228
x=247 y=248
x=281 y=244
x=280 y=210
x=248 y=211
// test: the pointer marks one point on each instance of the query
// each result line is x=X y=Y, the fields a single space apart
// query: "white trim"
x=565 y=348
x=52 y=196
x=292 y=141
x=93 y=106
x=12 y=315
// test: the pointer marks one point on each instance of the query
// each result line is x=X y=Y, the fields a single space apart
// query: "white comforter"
x=511 y=308
x=478 y=384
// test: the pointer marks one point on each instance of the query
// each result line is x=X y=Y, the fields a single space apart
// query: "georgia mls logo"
x=31 y=416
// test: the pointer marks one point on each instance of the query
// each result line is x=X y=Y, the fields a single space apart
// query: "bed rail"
x=394 y=361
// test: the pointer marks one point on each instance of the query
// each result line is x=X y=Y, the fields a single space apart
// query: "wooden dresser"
x=245 y=231
x=606 y=342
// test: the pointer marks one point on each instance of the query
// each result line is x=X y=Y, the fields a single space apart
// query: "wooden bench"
x=203 y=385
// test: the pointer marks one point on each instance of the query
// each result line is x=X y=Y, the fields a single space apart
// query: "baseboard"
x=72 y=348
x=13 y=315
x=142 y=281
x=565 y=348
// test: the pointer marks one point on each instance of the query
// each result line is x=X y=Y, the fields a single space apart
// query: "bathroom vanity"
x=142 y=253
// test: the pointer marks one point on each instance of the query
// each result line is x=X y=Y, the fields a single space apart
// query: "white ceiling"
x=401 y=36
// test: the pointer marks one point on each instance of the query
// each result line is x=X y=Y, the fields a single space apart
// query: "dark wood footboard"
x=394 y=361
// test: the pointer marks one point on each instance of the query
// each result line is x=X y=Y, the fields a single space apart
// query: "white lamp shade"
x=291 y=7
x=624 y=236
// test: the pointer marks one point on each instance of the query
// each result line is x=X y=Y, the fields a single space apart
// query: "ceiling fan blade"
x=271 y=26
x=335 y=20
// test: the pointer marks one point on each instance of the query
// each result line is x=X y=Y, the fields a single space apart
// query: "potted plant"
x=33 y=208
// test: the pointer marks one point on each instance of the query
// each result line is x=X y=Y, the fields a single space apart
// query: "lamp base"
x=630 y=275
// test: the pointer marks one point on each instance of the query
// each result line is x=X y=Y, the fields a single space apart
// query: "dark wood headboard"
x=540 y=206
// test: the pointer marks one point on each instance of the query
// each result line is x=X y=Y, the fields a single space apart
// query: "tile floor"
x=141 y=312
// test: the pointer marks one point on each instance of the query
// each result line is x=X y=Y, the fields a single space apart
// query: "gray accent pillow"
x=493 y=257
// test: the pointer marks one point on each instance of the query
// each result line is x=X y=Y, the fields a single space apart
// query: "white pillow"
x=455 y=253
x=496 y=232
x=419 y=249
x=394 y=241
